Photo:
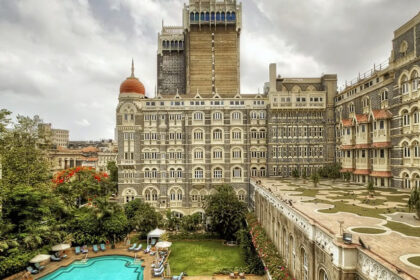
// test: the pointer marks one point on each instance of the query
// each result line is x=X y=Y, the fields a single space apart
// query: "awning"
x=381 y=145
x=60 y=247
x=383 y=174
x=361 y=172
x=362 y=146
x=40 y=258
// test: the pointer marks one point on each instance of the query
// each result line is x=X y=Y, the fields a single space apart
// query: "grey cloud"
x=65 y=60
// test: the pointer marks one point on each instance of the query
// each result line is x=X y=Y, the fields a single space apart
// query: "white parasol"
x=163 y=244
x=40 y=258
x=60 y=247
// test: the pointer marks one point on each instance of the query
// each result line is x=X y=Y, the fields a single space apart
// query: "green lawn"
x=203 y=257
x=368 y=230
x=403 y=228
x=414 y=260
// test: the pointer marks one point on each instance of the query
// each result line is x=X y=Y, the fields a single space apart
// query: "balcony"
x=198 y=180
x=175 y=204
x=347 y=162
x=381 y=164
x=127 y=162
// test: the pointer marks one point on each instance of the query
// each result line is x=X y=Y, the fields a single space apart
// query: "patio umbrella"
x=163 y=244
x=60 y=247
x=40 y=258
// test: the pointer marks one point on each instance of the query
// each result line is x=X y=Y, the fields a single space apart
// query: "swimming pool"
x=100 y=268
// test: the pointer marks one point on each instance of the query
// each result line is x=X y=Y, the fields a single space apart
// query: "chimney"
x=273 y=77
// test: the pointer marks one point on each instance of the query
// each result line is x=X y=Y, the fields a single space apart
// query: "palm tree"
x=104 y=209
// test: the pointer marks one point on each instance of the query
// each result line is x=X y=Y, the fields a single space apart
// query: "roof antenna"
x=132 y=68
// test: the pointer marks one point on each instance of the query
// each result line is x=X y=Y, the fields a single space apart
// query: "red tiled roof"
x=361 y=172
x=381 y=114
x=385 y=174
x=362 y=146
x=90 y=149
x=381 y=145
x=362 y=118
x=344 y=170
x=347 y=147
x=347 y=122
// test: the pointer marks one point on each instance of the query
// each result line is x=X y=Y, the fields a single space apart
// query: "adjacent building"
x=54 y=136
x=378 y=121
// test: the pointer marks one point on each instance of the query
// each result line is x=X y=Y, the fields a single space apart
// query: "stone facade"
x=378 y=119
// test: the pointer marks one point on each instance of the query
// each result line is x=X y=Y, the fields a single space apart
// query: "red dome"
x=132 y=85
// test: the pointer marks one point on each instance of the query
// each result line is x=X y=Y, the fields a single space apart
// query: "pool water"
x=100 y=268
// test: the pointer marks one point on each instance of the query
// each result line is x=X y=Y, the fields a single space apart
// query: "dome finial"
x=132 y=68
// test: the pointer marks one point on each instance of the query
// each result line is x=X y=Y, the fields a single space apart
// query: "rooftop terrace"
x=383 y=221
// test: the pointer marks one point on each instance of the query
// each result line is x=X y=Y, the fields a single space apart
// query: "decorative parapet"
x=370 y=268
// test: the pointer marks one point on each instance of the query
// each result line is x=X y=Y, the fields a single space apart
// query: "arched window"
x=179 y=173
x=150 y=194
x=237 y=172
x=263 y=133
x=217 y=116
x=323 y=275
x=175 y=194
x=181 y=44
x=207 y=16
x=416 y=180
x=236 y=153
x=262 y=172
x=236 y=116
x=406 y=150
x=416 y=149
x=192 y=16
x=236 y=134
x=217 y=134
x=153 y=173
x=415 y=81
x=198 y=134
x=194 y=195
x=202 y=16
x=254 y=171
x=217 y=173
x=223 y=16
x=198 y=173
x=351 y=108
x=197 y=17
x=129 y=195
x=172 y=173
x=384 y=95
x=218 y=16
x=406 y=181
x=406 y=118
x=217 y=153
x=305 y=265
x=147 y=173
x=228 y=16
x=198 y=154
x=212 y=16
x=292 y=253
x=404 y=85
x=198 y=116
x=233 y=16
x=241 y=195
x=416 y=116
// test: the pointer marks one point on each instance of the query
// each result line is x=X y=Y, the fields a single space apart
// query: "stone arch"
x=129 y=194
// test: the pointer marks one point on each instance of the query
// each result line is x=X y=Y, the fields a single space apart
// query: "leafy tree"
x=371 y=188
x=315 y=178
x=330 y=171
x=142 y=216
x=172 y=222
x=295 y=173
x=191 y=222
x=347 y=176
x=225 y=212
x=414 y=201
x=113 y=175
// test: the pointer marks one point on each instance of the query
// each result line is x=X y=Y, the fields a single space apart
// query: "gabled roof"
x=347 y=122
x=381 y=114
x=361 y=118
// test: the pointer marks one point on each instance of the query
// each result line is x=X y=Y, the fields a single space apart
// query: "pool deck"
x=119 y=250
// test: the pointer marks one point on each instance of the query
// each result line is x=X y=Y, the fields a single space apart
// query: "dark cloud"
x=65 y=60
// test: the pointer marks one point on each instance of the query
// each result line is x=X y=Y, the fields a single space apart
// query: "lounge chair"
x=178 y=277
x=147 y=251
x=138 y=248
x=77 y=250
x=95 y=248
x=85 y=249
x=39 y=267
x=158 y=273
x=103 y=248
x=32 y=270
x=132 y=247
x=55 y=258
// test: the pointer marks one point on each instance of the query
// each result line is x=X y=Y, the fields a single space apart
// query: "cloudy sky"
x=64 y=60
